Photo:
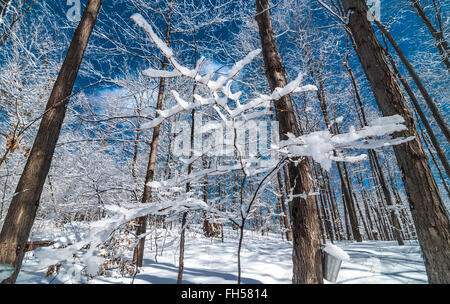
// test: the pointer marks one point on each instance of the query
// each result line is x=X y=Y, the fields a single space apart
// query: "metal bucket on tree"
x=332 y=260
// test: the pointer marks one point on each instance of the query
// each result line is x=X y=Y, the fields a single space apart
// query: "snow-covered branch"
x=220 y=89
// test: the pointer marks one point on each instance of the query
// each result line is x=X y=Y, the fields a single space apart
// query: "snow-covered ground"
x=266 y=259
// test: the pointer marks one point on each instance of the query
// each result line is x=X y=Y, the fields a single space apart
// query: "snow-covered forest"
x=224 y=141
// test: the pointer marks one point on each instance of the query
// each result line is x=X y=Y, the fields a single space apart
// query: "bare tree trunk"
x=406 y=216
x=334 y=208
x=307 y=257
x=287 y=223
x=348 y=201
x=347 y=224
x=235 y=196
x=387 y=196
x=208 y=228
x=380 y=202
x=24 y=205
x=181 y=258
x=368 y=215
x=430 y=103
x=363 y=220
x=138 y=254
x=136 y=144
x=428 y=211
x=438 y=36
x=325 y=214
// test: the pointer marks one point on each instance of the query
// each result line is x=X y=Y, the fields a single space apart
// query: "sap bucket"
x=5 y=271
x=332 y=260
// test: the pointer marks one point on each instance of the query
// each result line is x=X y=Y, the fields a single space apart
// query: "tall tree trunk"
x=406 y=215
x=347 y=224
x=438 y=36
x=348 y=201
x=141 y=228
x=430 y=103
x=363 y=220
x=334 y=208
x=329 y=209
x=428 y=211
x=387 y=196
x=372 y=235
x=286 y=222
x=24 y=205
x=208 y=228
x=234 y=196
x=181 y=257
x=136 y=143
x=307 y=257
x=326 y=222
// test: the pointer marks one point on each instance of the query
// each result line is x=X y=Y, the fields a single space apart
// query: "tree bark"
x=428 y=211
x=307 y=257
x=334 y=208
x=24 y=205
x=286 y=222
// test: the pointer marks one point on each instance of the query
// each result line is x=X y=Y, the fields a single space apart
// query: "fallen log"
x=37 y=244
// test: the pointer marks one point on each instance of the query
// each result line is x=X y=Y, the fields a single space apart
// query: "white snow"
x=336 y=252
x=5 y=271
x=159 y=43
x=160 y=73
x=320 y=145
x=265 y=259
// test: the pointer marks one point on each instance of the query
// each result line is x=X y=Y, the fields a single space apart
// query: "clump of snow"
x=337 y=252
x=160 y=73
x=161 y=44
x=154 y=184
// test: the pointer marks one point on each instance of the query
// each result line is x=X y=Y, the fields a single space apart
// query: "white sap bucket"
x=5 y=271
x=331 y=267
x=332 y=260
